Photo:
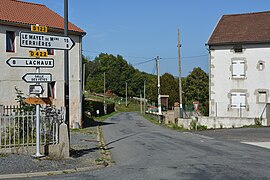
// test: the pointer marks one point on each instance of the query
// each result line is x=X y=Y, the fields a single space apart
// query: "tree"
x=169 y=87
x=196 y=88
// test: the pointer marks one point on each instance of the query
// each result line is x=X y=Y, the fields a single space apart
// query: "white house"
x=18 y=16
x=239 y=66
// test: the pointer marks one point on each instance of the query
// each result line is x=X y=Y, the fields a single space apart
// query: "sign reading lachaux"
x=30 y=62
x=37 y=77
x=46 y=41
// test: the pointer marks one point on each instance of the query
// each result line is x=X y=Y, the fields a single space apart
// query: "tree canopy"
x=118 y=72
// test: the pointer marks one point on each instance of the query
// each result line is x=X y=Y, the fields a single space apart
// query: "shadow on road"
x=121 y=138
x=79 y=153
x=90 y=122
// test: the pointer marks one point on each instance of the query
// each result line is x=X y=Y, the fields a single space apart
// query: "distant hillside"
x=118 y=72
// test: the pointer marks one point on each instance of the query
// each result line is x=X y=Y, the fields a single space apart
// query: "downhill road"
x=143 y=150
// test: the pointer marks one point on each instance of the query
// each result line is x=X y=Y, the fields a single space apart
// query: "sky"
x=141 y=30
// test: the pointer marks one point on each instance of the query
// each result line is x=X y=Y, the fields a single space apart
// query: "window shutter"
x=238 y=69
x=238 y=100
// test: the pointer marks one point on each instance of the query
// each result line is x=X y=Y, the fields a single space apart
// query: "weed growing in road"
x=3 y=155
x=50 y=174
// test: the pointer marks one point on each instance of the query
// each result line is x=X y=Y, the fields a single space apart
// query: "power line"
x=168 y=58
x=143 y=62
x=188 y=57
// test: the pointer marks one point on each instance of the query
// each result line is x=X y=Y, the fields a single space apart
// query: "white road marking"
x=260 y=144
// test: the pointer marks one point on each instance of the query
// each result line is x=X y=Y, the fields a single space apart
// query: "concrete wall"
x=221 y=82
x=12 y=76
x=220 y=122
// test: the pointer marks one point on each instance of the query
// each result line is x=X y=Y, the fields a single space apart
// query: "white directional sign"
x=31 y=62
x=46 y=41
x=35 y=89
x=37 y=77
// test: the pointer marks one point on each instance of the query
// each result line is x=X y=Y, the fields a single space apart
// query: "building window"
x=262 y=97
x=238 y=69
x=238 y=49
x=261 y=65
x=52 y=89
x=10 y=41
x=238 y=100
x=50 y=51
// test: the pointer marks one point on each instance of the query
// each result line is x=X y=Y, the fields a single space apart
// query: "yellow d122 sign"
x=38 y=53
x=36 y=28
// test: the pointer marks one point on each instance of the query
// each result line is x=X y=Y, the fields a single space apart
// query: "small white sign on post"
x=35 y=89
x=37 y=77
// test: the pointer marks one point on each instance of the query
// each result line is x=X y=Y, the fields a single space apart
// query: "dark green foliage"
x=196 y=88
x=93 y=106
x=117 y=73
x=170 y=87
x=20 y=99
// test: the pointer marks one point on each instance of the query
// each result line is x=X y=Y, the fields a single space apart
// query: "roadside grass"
x=103 y=118
x=132 y=107
x=154 y=120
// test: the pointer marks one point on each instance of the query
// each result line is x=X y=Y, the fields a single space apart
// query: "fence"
x=18 y=128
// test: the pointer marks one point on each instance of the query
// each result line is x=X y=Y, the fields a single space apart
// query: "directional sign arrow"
x=35 y=40
x=35 y=89
x=30 y=62
x=37 y=77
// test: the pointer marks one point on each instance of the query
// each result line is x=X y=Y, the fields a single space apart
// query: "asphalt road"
x=143 y=150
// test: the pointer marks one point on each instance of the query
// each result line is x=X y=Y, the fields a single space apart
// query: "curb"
x=48 y=173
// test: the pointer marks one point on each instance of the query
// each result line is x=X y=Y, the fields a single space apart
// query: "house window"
x=238 y=49
x=238 y=100
x=50 y=51
x=262 y=97
x=10 y=41
x=52 y=89
x=261 y=65
x=238 y=69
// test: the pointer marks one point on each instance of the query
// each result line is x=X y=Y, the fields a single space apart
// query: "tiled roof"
x=29 y=13
x=242 y=28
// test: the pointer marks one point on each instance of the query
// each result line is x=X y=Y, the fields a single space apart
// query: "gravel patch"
x=84 y=152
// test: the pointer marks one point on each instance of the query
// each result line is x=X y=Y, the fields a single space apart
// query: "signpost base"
x=37 y=156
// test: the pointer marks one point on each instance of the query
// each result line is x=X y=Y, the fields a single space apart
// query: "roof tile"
x=242 y=28
x=30 y=13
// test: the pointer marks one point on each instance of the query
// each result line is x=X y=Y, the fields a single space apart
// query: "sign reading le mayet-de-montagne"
x=35 y=40
x=37 y=77
x=30 y=62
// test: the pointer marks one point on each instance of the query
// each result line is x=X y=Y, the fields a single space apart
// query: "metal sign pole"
x=38 y=155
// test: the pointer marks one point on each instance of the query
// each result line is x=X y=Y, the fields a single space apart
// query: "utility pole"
x=126 y=94
x=144 y=102
x=66 y=68
x=104 y=93
x=180 y=80
x=158 y=75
